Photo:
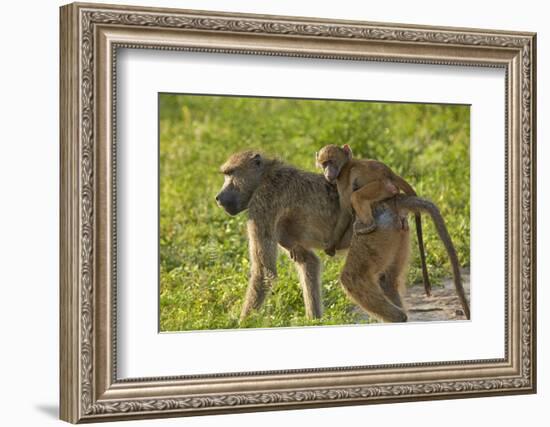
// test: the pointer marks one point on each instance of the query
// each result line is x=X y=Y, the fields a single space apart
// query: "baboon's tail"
x=417 y=205
x=420 y=238
x=408 y=190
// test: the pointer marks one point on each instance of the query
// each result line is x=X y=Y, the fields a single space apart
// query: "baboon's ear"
x=347 y=151
x=257 y=159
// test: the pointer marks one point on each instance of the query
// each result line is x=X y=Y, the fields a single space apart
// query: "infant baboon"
x=361 y=183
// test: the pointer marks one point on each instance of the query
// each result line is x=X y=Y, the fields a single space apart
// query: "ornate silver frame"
x=90 y=35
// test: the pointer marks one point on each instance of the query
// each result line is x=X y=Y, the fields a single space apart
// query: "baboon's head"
x=242 y=174
x=332 y=159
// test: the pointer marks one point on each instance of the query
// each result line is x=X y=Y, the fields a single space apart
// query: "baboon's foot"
x=395 y=316
x=361 y=228
x=402 y=317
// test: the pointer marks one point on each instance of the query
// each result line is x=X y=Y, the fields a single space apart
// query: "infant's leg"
x=362 y=199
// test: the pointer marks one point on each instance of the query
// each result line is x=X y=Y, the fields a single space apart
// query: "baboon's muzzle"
x=229 y=203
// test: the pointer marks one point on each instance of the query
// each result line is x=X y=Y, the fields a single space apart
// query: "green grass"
x=204 y=262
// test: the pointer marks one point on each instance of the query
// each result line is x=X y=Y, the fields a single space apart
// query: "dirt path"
x=442 y=305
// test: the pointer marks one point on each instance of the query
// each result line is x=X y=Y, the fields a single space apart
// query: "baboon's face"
x=242 y=175
x=331 y=159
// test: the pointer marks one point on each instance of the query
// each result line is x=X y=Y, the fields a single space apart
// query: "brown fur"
x=287 y=208
x=297 y=211
x=376 y=265
x=361 y=183
x=383 y=252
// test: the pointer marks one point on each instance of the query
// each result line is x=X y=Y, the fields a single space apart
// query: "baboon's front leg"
x=263 y=260
x=309 y=271
x=342 y=225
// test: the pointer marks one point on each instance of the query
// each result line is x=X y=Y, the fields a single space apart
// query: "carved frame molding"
x=90 y=36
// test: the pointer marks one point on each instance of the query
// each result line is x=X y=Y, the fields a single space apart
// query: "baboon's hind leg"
x=394 y=279
x=361 y=201
x=361 y=283
x=390 y=290
x=263 y=271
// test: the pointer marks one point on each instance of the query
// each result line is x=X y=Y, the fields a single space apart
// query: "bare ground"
x=442 y=305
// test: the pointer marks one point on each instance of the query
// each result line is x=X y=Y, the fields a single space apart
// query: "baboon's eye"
x=326 y=164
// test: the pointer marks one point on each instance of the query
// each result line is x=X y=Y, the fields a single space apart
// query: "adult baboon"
x=298 y=210
x=288 y=207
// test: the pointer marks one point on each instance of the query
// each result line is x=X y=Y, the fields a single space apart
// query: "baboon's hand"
x=361 y=228
x=296 y=255
x=331 y=250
